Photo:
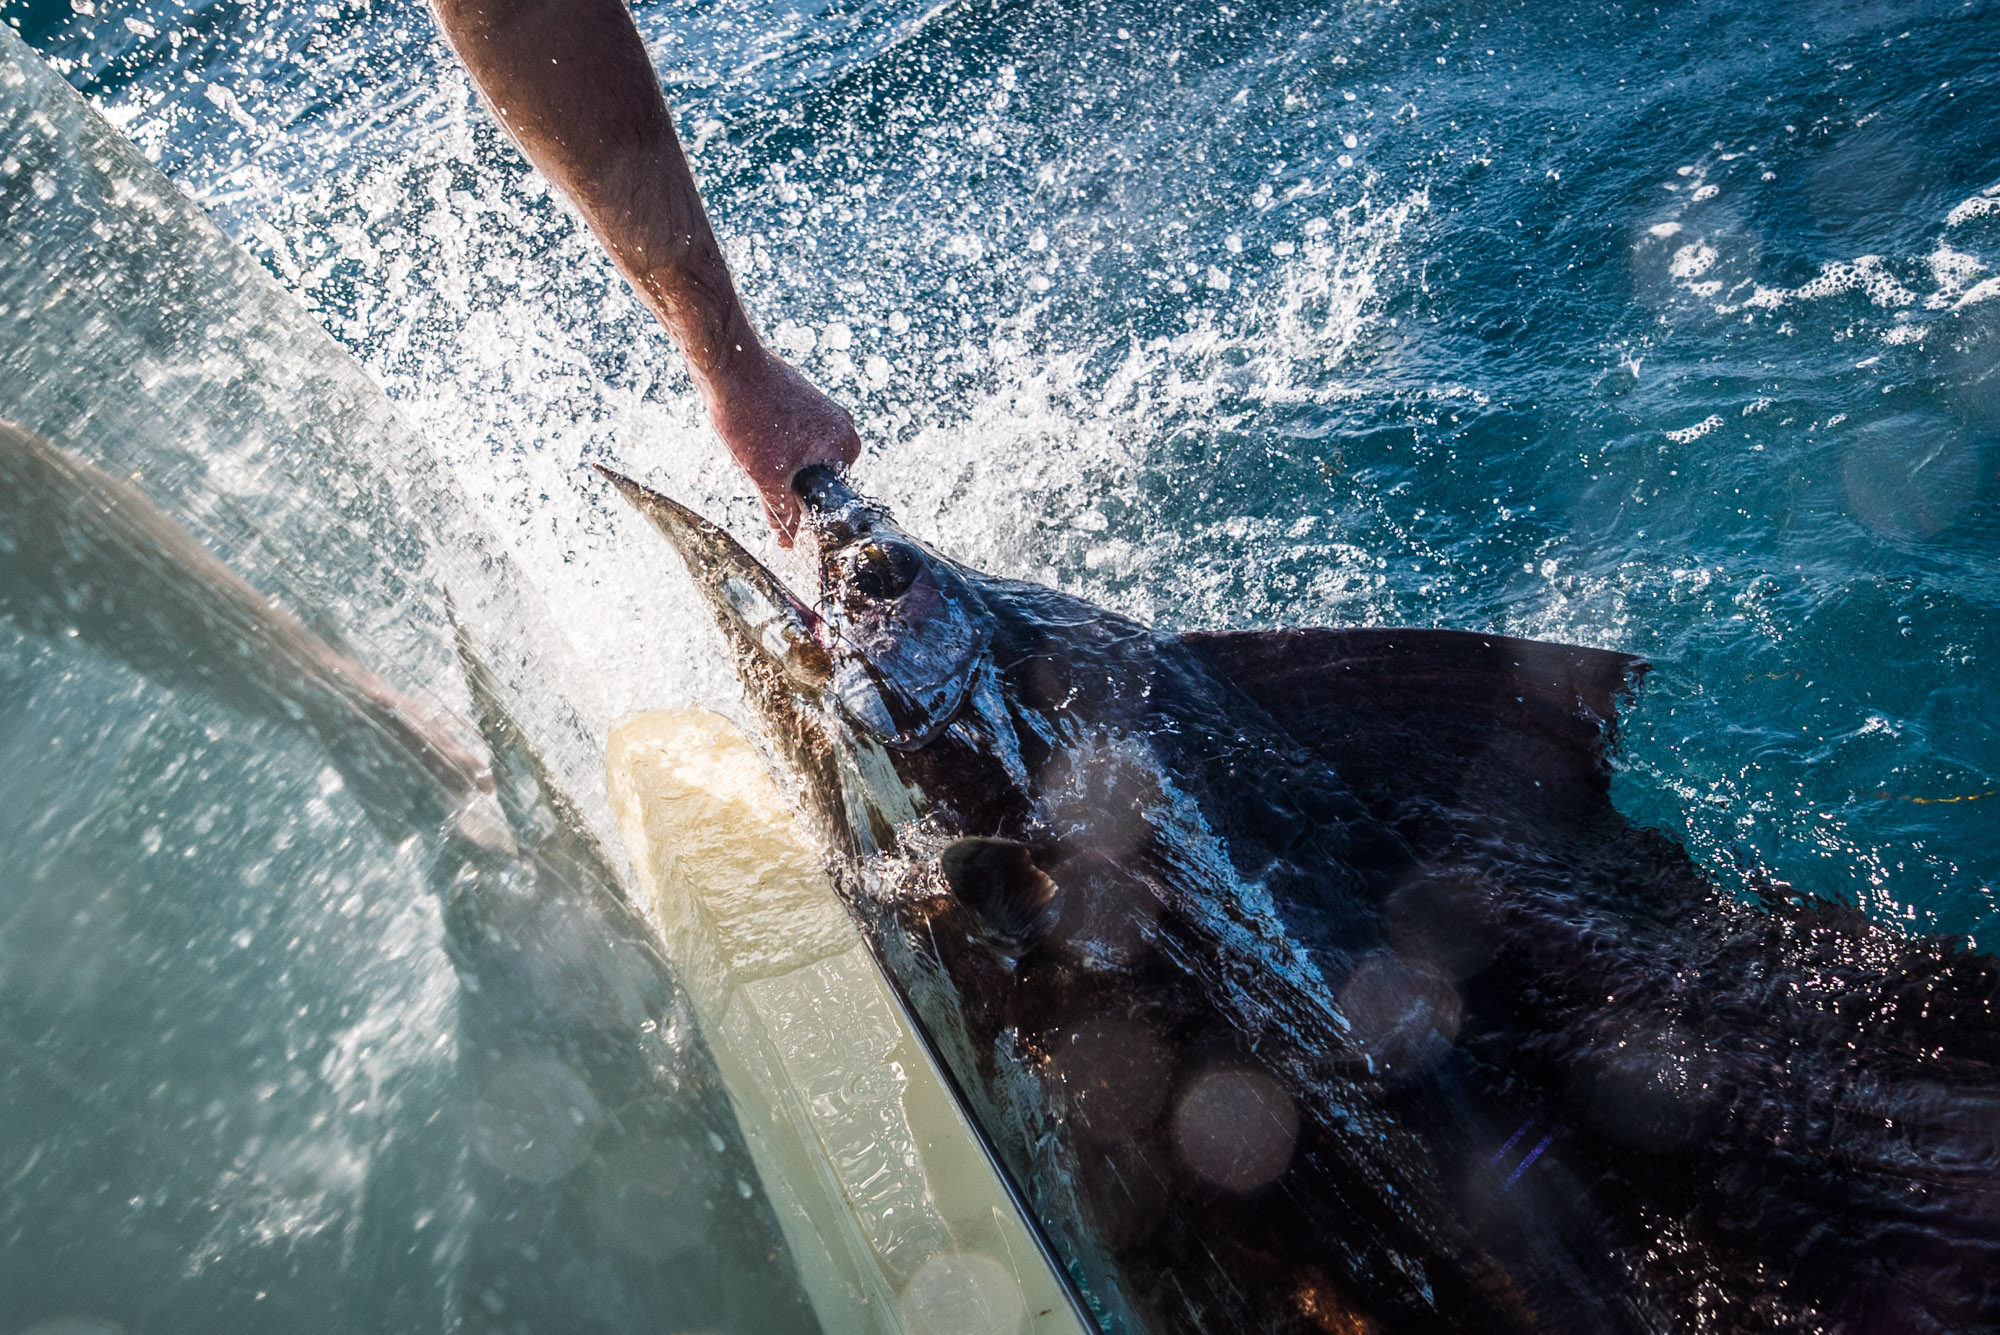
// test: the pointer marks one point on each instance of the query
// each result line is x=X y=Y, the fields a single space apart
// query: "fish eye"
x=882 y=570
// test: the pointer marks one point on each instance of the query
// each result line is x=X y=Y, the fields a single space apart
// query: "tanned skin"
x=571 y=82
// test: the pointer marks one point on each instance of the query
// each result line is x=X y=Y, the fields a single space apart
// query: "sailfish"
x=1308 y=980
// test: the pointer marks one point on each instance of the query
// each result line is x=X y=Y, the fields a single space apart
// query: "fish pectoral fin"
x=997 y=879
x=1474 y=721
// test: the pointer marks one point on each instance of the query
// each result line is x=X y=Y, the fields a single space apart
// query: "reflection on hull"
x=598 y=1160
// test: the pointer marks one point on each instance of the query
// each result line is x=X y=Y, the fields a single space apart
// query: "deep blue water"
x=1660 y=327
x=1670 y=328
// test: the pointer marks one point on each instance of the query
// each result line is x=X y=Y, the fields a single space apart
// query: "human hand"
x=775 y=423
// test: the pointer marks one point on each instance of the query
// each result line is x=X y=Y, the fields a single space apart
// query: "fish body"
x=1309 y=981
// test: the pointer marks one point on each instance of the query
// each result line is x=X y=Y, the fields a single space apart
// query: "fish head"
x=865 y=696
x=909 y=636
x=777 y=637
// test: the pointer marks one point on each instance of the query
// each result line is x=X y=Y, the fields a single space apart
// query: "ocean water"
x=1665 y=328
x=301 y=1029
x=1672 y=329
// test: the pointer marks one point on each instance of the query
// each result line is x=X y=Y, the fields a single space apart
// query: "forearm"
x=570 y=80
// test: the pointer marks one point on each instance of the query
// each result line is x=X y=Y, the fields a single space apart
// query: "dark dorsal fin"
x=998 y=880
x=1477 y=722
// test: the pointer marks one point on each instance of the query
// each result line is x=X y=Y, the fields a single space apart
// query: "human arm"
x=571 y=82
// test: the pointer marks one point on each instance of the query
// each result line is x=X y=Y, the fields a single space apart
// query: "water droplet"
x=962 y=1294
x=1235 y=1128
